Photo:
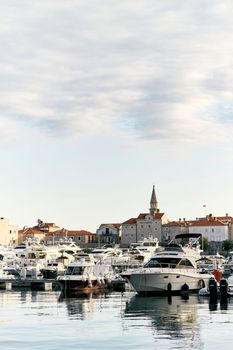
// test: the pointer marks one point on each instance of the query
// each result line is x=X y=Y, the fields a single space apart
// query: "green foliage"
x=227 y=245
x=205 y=244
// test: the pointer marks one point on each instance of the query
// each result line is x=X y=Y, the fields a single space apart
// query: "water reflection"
x=81 y=305
x=174 y=317
x=215 y=303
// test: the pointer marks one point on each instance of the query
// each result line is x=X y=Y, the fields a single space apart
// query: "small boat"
x=84 y=275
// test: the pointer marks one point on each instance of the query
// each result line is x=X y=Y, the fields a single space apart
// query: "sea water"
x=46 y=320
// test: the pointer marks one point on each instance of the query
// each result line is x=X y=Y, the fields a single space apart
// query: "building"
x=211 y=228
x=30 y=235
x=227 y=219
x=8 y=233
x=109 y=234
x=84 y=239
x=36 y=233
x=146 y=225
x=46 y=226
x=173 y=228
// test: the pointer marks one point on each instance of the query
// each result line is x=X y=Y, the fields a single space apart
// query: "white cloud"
x=162 y=70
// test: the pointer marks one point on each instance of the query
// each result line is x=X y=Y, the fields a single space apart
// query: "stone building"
x=31 y=235
x=109 y=234
x=145 y=225
x=173 y=228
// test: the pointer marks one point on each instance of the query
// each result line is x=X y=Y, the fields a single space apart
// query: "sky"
x=101 y=100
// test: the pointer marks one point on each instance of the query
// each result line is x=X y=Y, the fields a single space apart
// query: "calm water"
x=43 y=320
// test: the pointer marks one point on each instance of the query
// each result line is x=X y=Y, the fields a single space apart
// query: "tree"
x=227 y=245
x=204 y=244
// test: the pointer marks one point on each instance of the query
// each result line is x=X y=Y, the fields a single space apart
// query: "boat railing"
x=173 y=247
x=165 y=269
x=158 y=265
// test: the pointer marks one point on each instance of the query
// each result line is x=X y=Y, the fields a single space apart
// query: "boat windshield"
x=170 y=262
x=74 y=270
x=149 y=244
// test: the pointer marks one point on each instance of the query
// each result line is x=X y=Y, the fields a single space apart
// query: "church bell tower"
x=153 y=203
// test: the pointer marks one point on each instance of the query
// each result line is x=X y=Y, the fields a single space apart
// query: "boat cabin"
x=169 y=262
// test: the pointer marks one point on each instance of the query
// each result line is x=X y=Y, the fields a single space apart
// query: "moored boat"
x=172 y=270
x=84 y=275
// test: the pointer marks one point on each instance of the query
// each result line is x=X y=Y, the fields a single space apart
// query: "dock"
x=28 y=283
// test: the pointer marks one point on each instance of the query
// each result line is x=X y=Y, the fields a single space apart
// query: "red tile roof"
x=71 y=233
x=31 y=231
x=225 y=218
x=46 y=225
x=130 y=221
x=158 y=215
x=200 y=223
x=142 y=216
x=176 y=223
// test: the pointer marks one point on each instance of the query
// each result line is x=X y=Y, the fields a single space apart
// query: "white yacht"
x=106 y=252
x=172 y=270
x=144 y=250
x=84 y=275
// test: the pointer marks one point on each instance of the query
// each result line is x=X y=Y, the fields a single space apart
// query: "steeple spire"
x=153 y=202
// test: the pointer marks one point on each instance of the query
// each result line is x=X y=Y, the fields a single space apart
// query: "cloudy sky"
x=101 y=100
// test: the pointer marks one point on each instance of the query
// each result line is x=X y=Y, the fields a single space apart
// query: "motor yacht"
x=85 y=275
x=105 y=253
x=172 y=270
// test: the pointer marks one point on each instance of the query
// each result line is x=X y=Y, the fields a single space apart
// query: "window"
x=212 y=229
x=163 y=262
x=185 y=262
x=78 y=270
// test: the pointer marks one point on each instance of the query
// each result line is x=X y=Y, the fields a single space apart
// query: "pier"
x=28 y=283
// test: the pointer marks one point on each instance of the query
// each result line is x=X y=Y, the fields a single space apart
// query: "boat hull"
x=74 y=285
x=167 y=281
